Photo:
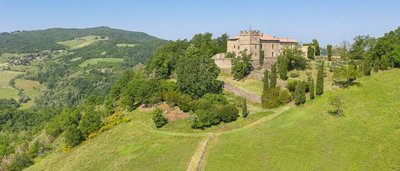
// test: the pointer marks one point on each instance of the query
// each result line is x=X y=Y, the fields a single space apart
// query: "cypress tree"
x=282 y=67
x=273 y=78
x=244 y=108
x=320 y=80
x=266 y=81
x=329 y=48
x=303 y=92
x=310 y=52
x=261 y=57
x=316 y=46
x=311 y=87
x=297 y=94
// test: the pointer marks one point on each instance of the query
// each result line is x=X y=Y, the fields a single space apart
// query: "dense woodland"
x=78 y=103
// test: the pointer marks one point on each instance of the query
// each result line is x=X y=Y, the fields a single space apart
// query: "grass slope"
x=309 y=138
x=94 y=61
x=81 y=41
x=6 y=91
x=125 y=147
x=31 y=89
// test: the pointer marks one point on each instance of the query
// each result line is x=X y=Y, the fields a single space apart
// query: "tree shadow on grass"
x=336 y=113
x=347 y=85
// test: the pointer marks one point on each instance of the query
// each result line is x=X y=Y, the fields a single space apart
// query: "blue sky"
x=328 y=21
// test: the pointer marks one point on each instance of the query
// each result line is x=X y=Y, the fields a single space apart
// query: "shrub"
x=228 y=113
x=211 y=109
x=20 y=162
x=184 y=101
x=294 y=74
x=73 y=136
x=275 y=97
x=159 y=119
x=90 y=122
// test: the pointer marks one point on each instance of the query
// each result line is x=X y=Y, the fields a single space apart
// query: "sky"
x=331 y=22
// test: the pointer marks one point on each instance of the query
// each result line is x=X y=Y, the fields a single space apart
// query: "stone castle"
x=254 y=41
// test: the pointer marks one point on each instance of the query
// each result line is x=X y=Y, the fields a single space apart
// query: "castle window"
x=272 y=47
x=239 y=47
x=272 y=54
x=255 y=46
x=234 y=46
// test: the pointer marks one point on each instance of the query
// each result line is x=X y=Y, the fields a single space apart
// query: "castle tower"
x=250 y=40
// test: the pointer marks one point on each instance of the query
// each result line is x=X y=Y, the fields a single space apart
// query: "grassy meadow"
x=125 y=147
x=6 y=91
x=367 y=137
x=94 y=61
x=81 y=42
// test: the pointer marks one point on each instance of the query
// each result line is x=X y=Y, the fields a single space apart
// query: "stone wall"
x=238 y=92
x=223 y=63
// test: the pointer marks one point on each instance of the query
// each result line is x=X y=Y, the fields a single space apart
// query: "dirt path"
x=199 y=155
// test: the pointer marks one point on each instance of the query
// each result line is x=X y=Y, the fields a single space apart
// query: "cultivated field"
x=81 y=41
x=94 y=61
x=6 y=91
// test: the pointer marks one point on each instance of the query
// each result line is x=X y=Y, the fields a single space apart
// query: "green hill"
x=38 y=40
x=367 y=137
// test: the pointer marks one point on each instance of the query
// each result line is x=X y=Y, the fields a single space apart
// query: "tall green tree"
x=222 y=43
x=329 y=49
x=316 y=46
x=197 y=74
x=273 y=78
x=311 y=86
x=299 y=94
x=367 y=67
x=310 y=52
x=346 y=74
x=261 y=57
x=320 y=80
x=266 y=81
x=361 y=47
x=241 y=65
x=90 y=121
x=283 y=67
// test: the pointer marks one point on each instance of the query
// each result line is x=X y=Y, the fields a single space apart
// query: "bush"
x=211 y=109
x=159 y=119
x=20 y=162
x=275 y=97
x=228 y=113
x=178 y=99
x=294 y=74
x=73 y=136
x=90 y=122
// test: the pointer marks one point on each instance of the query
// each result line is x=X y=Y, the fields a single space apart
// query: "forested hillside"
x=36 y=41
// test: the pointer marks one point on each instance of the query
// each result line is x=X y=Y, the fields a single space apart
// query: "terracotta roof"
x=287 y=40
x=268 y=37
x=234 y=38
